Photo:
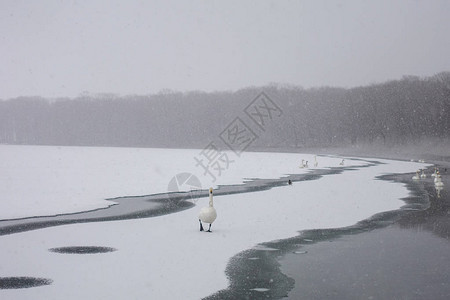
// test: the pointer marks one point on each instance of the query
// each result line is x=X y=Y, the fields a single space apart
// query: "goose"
x=417 y=176
x=208 y=214
x=423 y=175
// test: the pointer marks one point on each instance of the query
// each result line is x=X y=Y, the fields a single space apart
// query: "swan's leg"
x=201 y=226
x=209 y=230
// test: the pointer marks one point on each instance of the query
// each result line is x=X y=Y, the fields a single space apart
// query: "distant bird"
x=208 y=214
x=290 y=182
x=315 y=161
x=303 y=165
x=436 y=170
x=423 y=175
x=417 y=176
x=342 y=162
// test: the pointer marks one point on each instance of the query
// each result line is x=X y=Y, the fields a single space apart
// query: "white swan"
x=315 y=161
x=436 y=170
x=303 y=164
x=208 y=214
x=341 y=163
x=423 y=175
x=438 y=181
x=437 y=177
x=417 y=176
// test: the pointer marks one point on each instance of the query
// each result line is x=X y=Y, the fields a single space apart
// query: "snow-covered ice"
x=49 y=180
x=166 y=256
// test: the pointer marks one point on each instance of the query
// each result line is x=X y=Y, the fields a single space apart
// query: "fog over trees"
x=392 y=113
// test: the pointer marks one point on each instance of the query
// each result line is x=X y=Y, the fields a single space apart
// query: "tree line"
x=396 y=112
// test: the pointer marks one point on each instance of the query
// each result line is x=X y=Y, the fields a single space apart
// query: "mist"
x=409 y=112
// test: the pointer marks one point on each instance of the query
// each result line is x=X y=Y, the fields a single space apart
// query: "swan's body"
x=423 y=175
x=439 y=184
x=417 y=176
x=438 y=181
x=437 y=178
x=208 y=214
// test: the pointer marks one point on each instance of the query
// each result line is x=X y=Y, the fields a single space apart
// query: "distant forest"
x=392 y=113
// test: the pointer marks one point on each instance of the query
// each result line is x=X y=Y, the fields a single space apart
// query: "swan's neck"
x=211 y=204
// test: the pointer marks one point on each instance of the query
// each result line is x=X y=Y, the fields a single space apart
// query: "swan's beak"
x=210 y=190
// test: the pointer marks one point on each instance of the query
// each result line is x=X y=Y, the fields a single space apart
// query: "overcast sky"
x=65 y=48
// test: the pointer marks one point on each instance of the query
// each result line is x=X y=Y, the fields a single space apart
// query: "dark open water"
x=402 y=254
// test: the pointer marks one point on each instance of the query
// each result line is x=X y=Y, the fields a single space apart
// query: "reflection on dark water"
x=438 y=191
x=436 y=218
x=22 y=282
x=403 y=254
x=82 y=250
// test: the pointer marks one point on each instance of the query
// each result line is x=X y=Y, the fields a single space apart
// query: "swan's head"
x=210 y=191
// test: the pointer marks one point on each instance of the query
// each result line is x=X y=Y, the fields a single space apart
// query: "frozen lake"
x=165 y=256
